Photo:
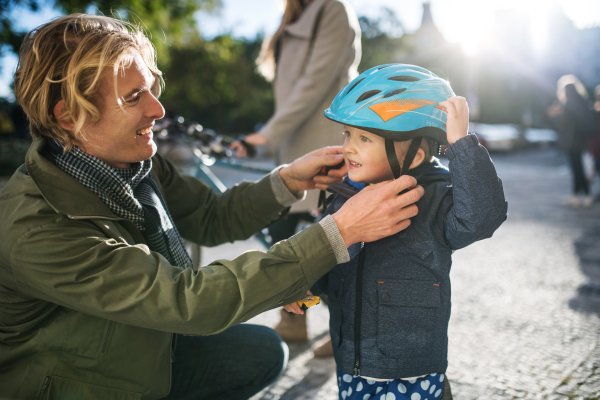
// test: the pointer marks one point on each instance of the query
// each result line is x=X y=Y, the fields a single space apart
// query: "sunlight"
x=469 y=22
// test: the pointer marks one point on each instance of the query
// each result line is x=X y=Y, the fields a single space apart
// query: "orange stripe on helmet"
x=392 y=108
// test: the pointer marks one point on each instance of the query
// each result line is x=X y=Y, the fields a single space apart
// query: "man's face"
x=123 y=134
x=365 y=156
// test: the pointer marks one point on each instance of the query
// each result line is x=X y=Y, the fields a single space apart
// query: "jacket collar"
x=304 y=26
x=425 y=173
x=64 y=194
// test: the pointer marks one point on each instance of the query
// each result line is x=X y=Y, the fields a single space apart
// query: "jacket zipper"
x=44 y=387
x=358 y=309
x=109 y=331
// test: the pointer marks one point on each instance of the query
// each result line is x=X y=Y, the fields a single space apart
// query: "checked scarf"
x=131 y=194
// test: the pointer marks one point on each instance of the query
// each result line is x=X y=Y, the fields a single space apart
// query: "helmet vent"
x=385 y=66
x=404 y=78
x=353 y=86
x=367 y=95
x=397 y=91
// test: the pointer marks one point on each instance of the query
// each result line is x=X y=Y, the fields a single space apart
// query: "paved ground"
x=526 y=303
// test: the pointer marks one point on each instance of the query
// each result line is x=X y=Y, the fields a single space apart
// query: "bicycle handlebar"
x=212 y=144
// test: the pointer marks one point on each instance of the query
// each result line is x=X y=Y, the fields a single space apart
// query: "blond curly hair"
x=64 y=60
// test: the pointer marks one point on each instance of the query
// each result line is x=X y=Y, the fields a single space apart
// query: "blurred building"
x=429 y=49
x=513 y=78
x=587 y=55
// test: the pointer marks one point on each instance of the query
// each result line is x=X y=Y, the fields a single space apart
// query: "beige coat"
x=308 y=79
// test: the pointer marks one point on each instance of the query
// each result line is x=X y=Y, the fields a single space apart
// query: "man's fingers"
x=330 y=160
x=403 y=183
x=407 y=212
x=410 y=197
x=323 y=182
x=338 y=173
x=402 y=225
x=328 y=150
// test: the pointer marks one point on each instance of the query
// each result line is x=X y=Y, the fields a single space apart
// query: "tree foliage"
x=167 y=22
x=383 y=39
x=215 y=83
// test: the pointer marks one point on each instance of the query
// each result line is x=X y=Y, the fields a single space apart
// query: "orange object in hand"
x=308 y=301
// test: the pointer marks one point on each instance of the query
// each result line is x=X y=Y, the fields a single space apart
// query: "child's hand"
x=294 y=307
x=457 y=123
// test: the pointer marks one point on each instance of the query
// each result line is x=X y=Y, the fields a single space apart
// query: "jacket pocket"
x=408 y=317
x=70 y=389
x=335 y=294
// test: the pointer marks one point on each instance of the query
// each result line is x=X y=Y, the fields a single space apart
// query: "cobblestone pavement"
x=526 y=303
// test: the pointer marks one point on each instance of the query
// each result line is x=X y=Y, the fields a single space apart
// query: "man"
x=94 y=279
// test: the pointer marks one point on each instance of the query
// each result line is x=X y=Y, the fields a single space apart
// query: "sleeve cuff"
x=461 y=145
x=335 y=239
x=282 y=193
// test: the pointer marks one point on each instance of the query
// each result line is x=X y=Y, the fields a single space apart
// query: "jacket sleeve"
x=323 y=66
x=477 y=206
x=320 y=286
x=210 y=219
x=85 y=266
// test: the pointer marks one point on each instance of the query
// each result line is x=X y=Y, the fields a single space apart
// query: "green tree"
x=215 y=83
x=167 y=22
x=383 y=39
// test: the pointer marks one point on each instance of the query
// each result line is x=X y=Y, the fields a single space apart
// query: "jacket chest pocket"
x=408 y=318
x=335 y=295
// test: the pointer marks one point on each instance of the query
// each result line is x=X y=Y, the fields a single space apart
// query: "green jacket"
x=87 y=311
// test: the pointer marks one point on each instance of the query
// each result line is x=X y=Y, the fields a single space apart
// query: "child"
x=390 y=304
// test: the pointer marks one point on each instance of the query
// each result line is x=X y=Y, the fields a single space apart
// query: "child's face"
x=365 y=156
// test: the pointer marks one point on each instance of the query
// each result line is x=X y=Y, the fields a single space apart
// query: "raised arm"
x=478 y=207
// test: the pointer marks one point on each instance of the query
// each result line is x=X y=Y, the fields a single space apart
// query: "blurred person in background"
x=313 y=54
x=575 y=123
x=594 y=145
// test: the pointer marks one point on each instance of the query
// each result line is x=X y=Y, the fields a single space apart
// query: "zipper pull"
x=44 y=387
x=357 y=368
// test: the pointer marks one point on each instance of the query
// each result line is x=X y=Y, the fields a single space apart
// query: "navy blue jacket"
x=389 y=318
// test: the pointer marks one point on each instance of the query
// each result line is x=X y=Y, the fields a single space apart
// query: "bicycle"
x=210 y=150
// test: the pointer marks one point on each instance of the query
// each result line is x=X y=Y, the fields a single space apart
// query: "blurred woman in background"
x=595 y=142
x=313 y=54
x=576 y=125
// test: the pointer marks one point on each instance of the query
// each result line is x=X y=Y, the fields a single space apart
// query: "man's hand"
x=458 y=118
x=377 y=211
x=302 y=173
x=254 y=139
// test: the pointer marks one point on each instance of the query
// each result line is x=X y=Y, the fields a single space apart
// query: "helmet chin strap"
x=390 y=150
x=408 y=159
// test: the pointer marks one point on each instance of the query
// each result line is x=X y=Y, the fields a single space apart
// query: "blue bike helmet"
x=397 y=102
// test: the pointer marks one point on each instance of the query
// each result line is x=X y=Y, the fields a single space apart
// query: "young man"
x=94 y=279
